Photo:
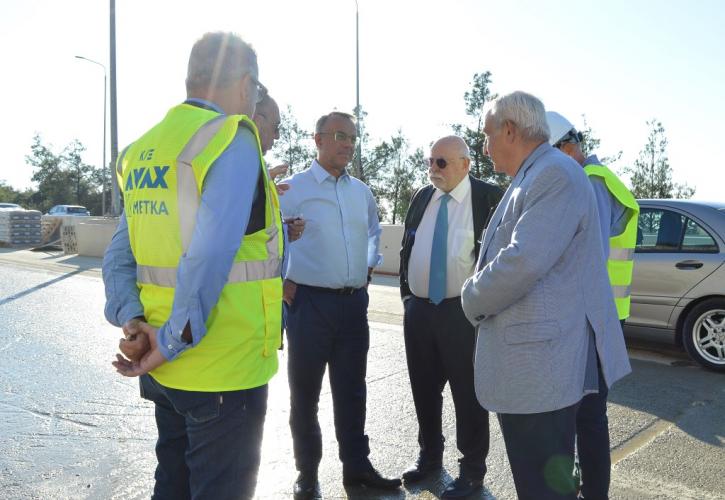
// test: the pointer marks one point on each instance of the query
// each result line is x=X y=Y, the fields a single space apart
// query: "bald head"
x=454 y=144
x=267 y=119
x=449 y=162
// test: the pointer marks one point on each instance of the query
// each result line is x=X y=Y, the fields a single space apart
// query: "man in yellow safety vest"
x=194 y=270
x=618 y=214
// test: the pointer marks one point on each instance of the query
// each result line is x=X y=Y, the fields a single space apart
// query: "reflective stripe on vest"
x=239 y=273
x=625 y=254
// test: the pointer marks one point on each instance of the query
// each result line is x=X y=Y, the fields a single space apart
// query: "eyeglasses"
x=261 y=89
x=441 y=162
x=341 y=137
x=572 y=136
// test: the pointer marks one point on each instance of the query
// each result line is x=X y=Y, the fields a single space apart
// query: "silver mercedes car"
x=678 y=287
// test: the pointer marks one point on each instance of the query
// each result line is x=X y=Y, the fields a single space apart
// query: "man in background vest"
x=618 y=213
x=194 y=266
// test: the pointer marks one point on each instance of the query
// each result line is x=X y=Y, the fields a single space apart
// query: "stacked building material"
x=20 y=227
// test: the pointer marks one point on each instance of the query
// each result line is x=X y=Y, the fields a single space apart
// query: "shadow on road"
x=40 y=286
x=675 y=394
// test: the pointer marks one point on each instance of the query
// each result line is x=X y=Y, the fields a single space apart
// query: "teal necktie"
x=438 y=254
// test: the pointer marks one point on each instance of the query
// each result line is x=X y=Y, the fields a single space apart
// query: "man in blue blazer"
x=540 y=300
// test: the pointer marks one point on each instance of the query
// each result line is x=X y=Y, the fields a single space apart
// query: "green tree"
x=372 y=167
x=472 y=132
x=63 y=178
x=8 y=194
x=651 y=176
x=400 y=173
x=294 y=144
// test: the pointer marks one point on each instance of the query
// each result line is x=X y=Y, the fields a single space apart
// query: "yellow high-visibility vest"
x=162 y=175
x=620 y=263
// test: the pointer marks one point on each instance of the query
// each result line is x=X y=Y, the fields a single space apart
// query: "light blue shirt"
x=342 y=229
x=226 y=202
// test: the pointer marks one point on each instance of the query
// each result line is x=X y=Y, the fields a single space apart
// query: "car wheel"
x=703 y=334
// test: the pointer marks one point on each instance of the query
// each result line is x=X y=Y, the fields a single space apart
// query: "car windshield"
x=9 y=205
x=77 y=210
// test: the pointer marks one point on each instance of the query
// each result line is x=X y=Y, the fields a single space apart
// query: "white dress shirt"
x=460 y=257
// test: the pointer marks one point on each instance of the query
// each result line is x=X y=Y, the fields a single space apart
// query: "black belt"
x=449 y=299
x=348 y=290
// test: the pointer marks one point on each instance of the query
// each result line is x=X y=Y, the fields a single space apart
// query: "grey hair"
x=524 y=110
x=219 y=59
x=323 y=119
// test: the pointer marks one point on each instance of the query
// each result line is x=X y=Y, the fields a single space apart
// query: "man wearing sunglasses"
x=326 y=301
x=618 y=214
x=439 y=250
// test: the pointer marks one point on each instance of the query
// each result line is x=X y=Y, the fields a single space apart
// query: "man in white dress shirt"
x=438 y=254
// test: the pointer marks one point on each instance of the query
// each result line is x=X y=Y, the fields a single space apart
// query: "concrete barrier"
x=390 y=248
x=93 y=235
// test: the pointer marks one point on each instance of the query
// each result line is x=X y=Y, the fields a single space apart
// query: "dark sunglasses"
x=571 y=136
x=440 y=162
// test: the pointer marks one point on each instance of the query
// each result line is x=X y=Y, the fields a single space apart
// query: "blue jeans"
x=209 y=442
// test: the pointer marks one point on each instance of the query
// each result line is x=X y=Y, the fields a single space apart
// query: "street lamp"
x=115 y=198
x=104 y=167
x=357 y=92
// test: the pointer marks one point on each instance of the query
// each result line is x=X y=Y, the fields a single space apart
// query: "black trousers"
x=540 y=449
x=592 y=442
x=325 y=329
x=439 y=347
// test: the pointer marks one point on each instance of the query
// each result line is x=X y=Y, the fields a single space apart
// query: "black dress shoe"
x=306 y=487
x=370 y=478
x=421 y=470
x=461 y=487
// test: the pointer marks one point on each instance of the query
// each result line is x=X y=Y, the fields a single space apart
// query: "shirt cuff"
x=169 y=345
x=375 y=260
x=130 y=311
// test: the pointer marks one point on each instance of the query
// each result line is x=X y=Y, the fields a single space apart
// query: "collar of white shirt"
x=321 y=174
x=458 y=193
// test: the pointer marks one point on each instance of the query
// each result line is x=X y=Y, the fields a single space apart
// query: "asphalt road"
x=70 y=427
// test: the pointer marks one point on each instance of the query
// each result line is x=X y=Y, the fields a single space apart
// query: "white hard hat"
x=558 y=126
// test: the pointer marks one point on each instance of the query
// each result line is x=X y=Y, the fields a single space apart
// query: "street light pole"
x=115 y=200
x=103 y=165
x=357 y=91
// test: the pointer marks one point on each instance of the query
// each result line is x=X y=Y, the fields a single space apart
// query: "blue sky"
x=619 y=63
